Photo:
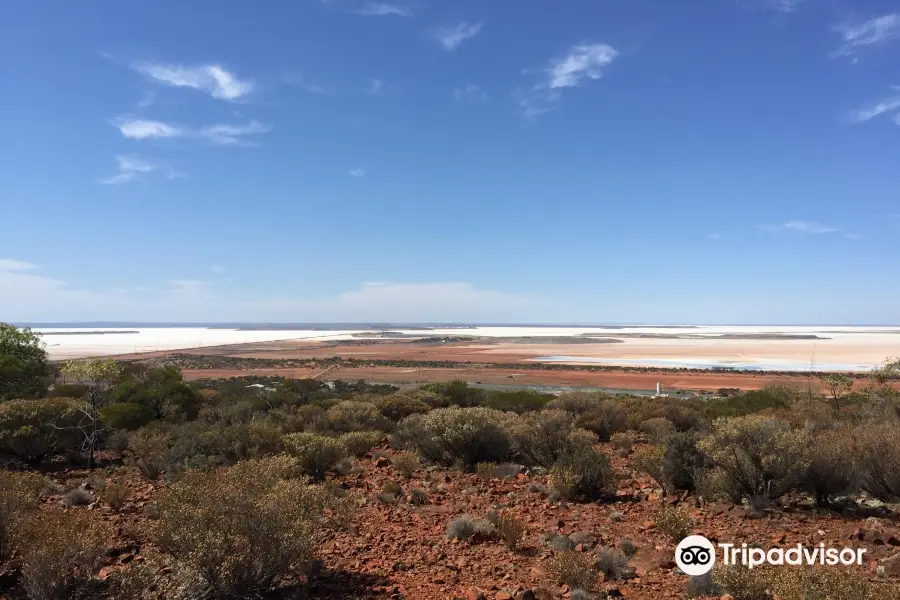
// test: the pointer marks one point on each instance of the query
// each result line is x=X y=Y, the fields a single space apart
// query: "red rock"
x=105 y=572
x=382 y=461
x=542 y=594
x=779 y=539
x=503 y=596
x=474 y=594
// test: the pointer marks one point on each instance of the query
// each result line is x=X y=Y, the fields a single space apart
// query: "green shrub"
x=486 y=470
x=397 y=407
x=832 y=466
x=148 y=451
x=879 y=455
x=125 y=415
x=681 y=461
x=18 y=496
x=623 y=440
x=759 y=457
x=539 y=438
x=518 y=401
x=657 y=429
x=316 y=454
x=650 y=459
x=582 y=473
x=59 y=552
x=594 y=412
x=456 y=435
x=33 y=429
x=358 y=443
x=742 y=583
x=455 y=393
x=351 y=415
x=241 y=528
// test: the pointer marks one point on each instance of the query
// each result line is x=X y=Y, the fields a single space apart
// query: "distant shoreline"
x=91 y=332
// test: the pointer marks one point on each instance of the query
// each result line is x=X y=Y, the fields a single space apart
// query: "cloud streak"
x=453 y=36
x=470 y=94
x=887 y=105
x=384 y=9
x=221 y=133
x=133 y=167
x=855 y=36
x=799 y=226
x=357 y=172
x=210 y=79
x=583 y=62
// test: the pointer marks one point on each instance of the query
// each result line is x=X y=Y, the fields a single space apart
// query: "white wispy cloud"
x=714 y=236
x=219 y=133
x=8 y=264
x=582 y=62
x=229 y=135
x=897 y=119
x=211 y=79
x=452 y=36
x=887 y=105
x=218 y=269
x=130 y=167
x=384 y=9
x=140 y=129
x=783 y=6
x=377 y=87
x=857 y=35
x=147 y=100
x=300 y=81
x=357 y=172
x=470 y=93
x=799 y=226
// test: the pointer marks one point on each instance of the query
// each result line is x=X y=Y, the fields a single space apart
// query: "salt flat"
x=839 y=347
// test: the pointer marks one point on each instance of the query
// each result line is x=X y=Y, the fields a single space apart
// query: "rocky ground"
x=395 y=548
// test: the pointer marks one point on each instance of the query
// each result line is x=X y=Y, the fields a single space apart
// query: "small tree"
x=838 y=385
x=99 y=376
x=23 y=364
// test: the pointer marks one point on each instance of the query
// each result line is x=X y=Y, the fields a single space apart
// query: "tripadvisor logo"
x=696 y=555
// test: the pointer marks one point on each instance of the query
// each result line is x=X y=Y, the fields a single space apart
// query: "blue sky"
x=715 y=161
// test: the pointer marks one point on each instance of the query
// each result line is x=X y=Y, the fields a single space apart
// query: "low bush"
x=879 y=455
x=400 y=405
x=406 y=463
x=33 y=429
x=574 y=569
x=539 y=438
x=239 y=529
x=59 y=551
x=77 y=497
x=832 y=583
x=148 y=450
x=623 y=440
x=613 y=564
x=674 y=523
x=650 y=459
x=759 y=457
x=358 y=443
x=467 y=527
x=518 y=401
x=582 y=473
x=742 y=583
x=510 y=529
x=316 y=454
x=486 y=470
x=657 y=429
x=682 y=460
x=18 y=496
x=832 y=466
x=351 y=415
x=454 y=435
x=115 y=495
x=126 y=415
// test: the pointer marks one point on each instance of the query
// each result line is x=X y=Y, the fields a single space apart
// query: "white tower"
x=658 y=389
